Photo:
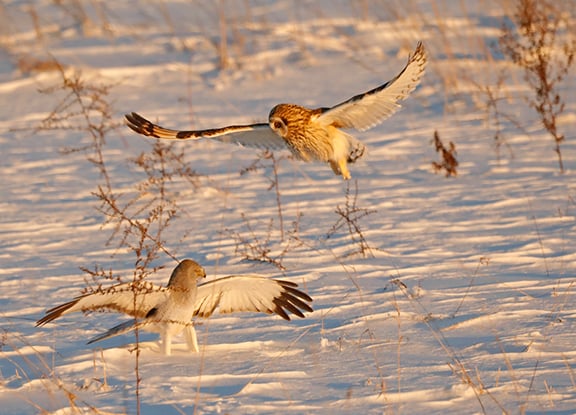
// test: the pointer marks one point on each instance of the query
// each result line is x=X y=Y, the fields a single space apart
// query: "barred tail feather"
x=114 y=331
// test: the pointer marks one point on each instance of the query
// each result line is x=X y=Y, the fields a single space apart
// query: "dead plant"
x=140 y=216
x=256 y=246
x=535 y=44
x=456 y=363
x=261 y=162
x=448 y=162
x=497 y=118
x=349 y=217
x=29 y=366
x=84 y=107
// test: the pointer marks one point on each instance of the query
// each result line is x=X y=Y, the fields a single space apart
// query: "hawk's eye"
x=277 y=124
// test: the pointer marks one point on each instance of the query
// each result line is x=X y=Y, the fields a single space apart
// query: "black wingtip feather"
x=292 y=300
x=279 y=309
x=140 y=125
x=299 y=303
x=297 y=293
x=55 y=312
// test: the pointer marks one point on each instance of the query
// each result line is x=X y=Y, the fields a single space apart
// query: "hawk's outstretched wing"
x=230 y=294
x=131 y=299
x=369 y=109
x=251 y=293
x=253 y=135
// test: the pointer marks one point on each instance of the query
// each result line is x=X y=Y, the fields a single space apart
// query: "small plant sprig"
x=349 y=217
x=448 y=162
x=141 y=217
x=85 y=108
x=497 y=118
x=534 y=44
x=254 y=248
x=260 y=163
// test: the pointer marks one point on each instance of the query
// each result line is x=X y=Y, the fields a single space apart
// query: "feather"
x=254 y=135
x=369 y=109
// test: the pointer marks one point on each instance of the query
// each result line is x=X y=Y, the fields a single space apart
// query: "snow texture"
x=464 y=299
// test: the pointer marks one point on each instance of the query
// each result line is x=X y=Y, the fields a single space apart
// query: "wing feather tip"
x=140 y=125
x=292 y=300
x=56 y=312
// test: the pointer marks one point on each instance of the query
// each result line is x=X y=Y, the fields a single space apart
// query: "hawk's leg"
x=340 y=168
x=191 y=339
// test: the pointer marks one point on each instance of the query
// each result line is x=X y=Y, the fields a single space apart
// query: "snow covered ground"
x=463 y=301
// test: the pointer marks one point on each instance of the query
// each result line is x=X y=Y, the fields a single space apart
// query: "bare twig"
x=140 y=217
x=532 y=44
x=274 y=182
x=349 y=217
x=448 y=162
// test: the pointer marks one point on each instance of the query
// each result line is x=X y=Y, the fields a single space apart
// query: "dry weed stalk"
x=349 y=217
x=223 y=58
x=27 y=363
x=84 y=108
x=455 y=363
x=399 y=340
x=448 y=162
x=497 y=118
x=260 y=163
x=482 y=261
x=250 y=246
x=230 y=43
x=534 y=44
x=139 y=217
